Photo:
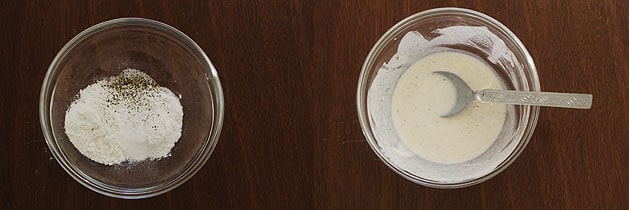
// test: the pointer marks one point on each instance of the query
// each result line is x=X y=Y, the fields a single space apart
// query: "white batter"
x=421 y=97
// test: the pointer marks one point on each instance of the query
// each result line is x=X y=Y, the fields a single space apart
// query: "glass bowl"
x=439 y=30
x=174 y=61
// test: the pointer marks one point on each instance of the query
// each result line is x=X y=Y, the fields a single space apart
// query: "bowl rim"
x=131 y=193
x=531 y=113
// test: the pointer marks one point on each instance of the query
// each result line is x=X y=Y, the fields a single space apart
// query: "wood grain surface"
x=291 y=137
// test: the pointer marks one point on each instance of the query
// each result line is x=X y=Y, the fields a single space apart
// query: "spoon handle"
x=565 y=100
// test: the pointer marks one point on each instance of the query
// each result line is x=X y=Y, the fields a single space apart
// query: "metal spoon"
x=465 y=94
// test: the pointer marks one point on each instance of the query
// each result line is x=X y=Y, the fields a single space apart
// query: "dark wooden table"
x=291 y=137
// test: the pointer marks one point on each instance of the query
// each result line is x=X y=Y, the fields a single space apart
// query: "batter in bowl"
x=421 y=97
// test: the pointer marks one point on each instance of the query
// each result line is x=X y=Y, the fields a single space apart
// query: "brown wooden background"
x=291 y=137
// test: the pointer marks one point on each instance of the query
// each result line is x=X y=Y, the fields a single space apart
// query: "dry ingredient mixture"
x=128 y=117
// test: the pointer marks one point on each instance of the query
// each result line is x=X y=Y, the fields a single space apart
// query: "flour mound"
x=128 y=117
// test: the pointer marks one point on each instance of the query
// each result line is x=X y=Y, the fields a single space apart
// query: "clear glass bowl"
x=168 y=56
x=515 y=69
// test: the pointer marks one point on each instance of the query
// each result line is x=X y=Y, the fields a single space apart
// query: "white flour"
x=126 y=117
